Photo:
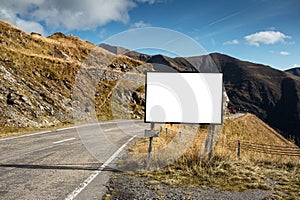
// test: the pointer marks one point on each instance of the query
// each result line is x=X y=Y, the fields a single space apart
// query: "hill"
x=295 y=71
x=270 y=94
x=122 y=51
x=267 y=162
x=38 y=74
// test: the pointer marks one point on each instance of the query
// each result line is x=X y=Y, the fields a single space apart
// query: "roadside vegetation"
x=224 y=170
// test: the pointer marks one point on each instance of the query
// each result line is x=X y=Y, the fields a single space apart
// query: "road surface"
x=72 y=163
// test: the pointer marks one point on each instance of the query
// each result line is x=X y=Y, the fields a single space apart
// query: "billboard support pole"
x=150 y=142
x=211 y=145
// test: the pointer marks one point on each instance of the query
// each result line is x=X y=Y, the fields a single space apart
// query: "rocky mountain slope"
x=38 y=74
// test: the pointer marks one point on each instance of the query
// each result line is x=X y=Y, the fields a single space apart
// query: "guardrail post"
x=180 y=136
x=239 y=149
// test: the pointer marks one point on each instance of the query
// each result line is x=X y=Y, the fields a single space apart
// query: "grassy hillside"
x=253 y=170
x=38 y=77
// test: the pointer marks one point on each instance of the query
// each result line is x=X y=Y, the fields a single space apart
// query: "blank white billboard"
x=184 y=97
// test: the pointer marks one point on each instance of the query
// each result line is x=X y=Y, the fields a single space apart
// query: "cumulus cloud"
x=26 y=25
x=266 y=37
x=284 y=53
x=64 y=14
x=140 y=24
x=231 y=42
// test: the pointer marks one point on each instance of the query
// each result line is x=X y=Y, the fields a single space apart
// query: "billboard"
x=184 y=97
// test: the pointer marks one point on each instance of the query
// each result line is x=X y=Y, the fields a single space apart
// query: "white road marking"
x=65 y=140
x=111 y=129
x=63 y=129
x=78 y=126
x=27 y=135
x=87 y=181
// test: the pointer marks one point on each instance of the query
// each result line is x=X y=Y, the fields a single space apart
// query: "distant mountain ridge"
x=270 y=94
x=123 y=51
x=295 y=71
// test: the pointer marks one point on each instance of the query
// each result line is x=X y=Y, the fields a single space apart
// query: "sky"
x=260 y=31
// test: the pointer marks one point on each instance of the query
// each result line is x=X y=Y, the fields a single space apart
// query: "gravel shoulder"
x=128 y=186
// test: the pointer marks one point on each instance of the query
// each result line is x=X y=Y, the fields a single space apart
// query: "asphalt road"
x=72 y=163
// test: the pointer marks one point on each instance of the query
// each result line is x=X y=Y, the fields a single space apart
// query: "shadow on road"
x=89 y=167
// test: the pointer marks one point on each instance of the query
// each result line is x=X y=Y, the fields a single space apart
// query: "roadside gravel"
x=125 y=186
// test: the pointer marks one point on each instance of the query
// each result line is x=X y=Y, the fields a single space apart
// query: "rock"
x=12 y=98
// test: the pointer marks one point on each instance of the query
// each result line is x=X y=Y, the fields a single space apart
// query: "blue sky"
x=261 y=31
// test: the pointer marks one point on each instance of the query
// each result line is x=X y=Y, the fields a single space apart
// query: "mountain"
x=160 y=63
x=295 y=71
x=38 y=79
x=122 y=51
x=270 y=94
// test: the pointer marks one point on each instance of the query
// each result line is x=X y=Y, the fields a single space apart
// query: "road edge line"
x=87 y=181
x=26 y=135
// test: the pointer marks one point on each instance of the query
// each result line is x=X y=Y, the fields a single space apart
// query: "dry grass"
x=224 y=170
x=160 y=142
x=250 y=129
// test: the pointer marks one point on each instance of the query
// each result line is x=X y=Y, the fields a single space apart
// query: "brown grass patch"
x=224 y=170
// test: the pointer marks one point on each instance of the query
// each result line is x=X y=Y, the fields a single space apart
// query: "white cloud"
x=140 y=24
x=148 y=1
x=266 y=37
x=295 y=66
x=284 y=53
x=64 y=14
x=102 y=33
x=231 y=42
x=27 y=26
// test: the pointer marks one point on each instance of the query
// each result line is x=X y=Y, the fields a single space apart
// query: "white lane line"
x=63 y=129
x=61 y=141
x=27 y=135
x=79 y=126
x=87 y=181
x=111 y=129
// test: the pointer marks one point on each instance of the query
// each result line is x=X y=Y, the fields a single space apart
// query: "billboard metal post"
x=211 y=142
x=150 y=141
